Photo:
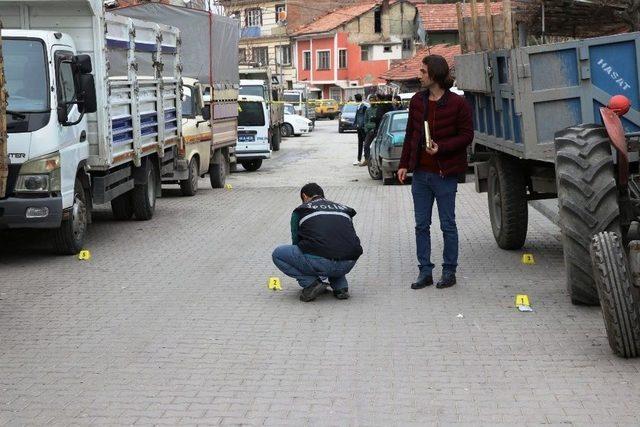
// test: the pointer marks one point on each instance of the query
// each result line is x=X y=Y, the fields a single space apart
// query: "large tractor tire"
x=588 y=202
x=617 y=298
x=507 y=197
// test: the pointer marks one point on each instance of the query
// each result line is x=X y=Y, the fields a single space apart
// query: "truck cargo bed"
x=523 y=96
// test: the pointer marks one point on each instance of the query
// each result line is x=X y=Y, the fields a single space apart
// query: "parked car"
x=294 y=124
x=326 y=108
x=347 y=118
x=386 y=147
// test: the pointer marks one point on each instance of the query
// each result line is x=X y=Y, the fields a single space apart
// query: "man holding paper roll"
x=439 y=129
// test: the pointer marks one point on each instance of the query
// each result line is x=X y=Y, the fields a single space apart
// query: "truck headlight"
x=39 y=175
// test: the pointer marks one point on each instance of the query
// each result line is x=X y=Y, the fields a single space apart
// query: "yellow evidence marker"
x=84 y=255
x=228 y=186
x=522 y=302
x=274 y=284
x=527 y=259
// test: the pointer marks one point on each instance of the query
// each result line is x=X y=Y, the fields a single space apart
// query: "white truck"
x=94 y=115
x=209 y=46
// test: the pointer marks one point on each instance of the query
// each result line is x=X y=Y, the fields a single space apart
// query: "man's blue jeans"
x=426 y=188
x=306 y=269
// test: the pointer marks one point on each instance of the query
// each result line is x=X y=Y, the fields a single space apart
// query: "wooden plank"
x=4 y=159
x=461 y=30
x=474 y=25
x=487 y=16
x=508 y=24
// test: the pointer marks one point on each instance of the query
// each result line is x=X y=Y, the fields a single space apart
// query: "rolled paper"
x=427 y=136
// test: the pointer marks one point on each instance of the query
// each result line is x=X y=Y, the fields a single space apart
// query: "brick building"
x=345 y=51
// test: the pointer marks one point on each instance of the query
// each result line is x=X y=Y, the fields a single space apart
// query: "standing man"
x=374 y=118
x=436 y=167
x=359 y=122
x=325 y=245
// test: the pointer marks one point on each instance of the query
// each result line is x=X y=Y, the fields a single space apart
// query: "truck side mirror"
x=206 y=112
x=83 y=64
x=87 y=95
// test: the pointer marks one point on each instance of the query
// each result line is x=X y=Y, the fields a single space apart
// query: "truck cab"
x=194 y=152
x=253 y=132
x=50 y=90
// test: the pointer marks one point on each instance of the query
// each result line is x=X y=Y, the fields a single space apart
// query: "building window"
x=281 y=12
x=342 y=58
x=285 y=55
x=364 y=53
x=407 y=44
x=387 y=49
x=261 y=55
x=377 y=20
x=253 y=17
x=306 y=60
x=242 y=55
x=324 y=60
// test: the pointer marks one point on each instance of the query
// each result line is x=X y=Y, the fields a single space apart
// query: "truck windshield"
x=251 y=114
x=26 y=75
x=252 y=90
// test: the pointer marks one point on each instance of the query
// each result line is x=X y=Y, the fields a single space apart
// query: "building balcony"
x=250 y=32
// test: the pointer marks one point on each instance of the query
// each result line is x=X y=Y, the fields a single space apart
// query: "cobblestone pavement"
x=171 y=321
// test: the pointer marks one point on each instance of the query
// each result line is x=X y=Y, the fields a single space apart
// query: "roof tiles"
x=408 y=69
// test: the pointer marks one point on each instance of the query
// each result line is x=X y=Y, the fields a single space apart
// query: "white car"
x=252 y=146
x=294 y=124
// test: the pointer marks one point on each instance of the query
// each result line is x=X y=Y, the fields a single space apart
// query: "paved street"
x=171 y=321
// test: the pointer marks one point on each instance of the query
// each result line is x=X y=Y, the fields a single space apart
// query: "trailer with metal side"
x=209 y=51
x=551 y=125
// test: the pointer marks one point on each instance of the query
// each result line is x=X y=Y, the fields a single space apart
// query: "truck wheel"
x=69 y=238
x=252 y=165
x=374 y=170
x=588 y=202
x=508 y=209
x=286 y=130
x=189 y=186
x=122 y=207
x=276 y=137
x=619 y=307
x=218 y=170
x=144 y=195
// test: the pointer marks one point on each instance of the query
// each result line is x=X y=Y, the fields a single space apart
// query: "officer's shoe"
x=312 y=291
x=422 y=282
x=447 y=280
x=341 y=293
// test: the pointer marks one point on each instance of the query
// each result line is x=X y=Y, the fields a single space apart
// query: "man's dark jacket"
x=324 y=228
x=453 y=132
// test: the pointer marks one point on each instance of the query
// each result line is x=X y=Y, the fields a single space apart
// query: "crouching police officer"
x=325 y=245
